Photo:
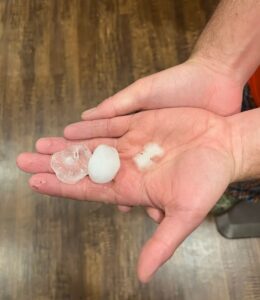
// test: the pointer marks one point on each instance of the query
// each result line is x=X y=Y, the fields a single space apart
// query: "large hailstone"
x=71 y=164
x=103 y=164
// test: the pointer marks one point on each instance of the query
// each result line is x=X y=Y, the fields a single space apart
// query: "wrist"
x=245 y=139
x=221 y=93
x=219 y=65
x=230 y=42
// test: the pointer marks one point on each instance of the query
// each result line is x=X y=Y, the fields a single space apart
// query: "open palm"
x=185 y=183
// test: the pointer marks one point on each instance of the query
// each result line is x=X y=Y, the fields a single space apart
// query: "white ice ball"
x=103 y=164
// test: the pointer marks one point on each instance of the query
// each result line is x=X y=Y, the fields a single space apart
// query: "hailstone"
x=103 y=164
x=144 y=158
x=71 y=164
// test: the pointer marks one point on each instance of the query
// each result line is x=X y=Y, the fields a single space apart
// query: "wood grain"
x=58 y=57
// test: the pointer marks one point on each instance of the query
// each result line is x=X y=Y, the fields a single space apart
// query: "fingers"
x=156 y=214
x=34 y=163
x=168 y=236
x=48 y=184
x=114 y=127
x=50 y=145
x=40 y=163
x=124 y=102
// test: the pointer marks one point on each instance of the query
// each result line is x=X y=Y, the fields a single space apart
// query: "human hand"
x=198 y=164
x=195 y=83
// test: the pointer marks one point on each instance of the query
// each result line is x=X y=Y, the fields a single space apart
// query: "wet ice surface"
x=71 y=164
x=103 y=164
x=144 y=158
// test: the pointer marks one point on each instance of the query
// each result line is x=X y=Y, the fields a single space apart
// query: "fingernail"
x=36 y=183
x=88 y=112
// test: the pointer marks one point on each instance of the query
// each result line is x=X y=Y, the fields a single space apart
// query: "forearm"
x=246 y=144
x=231 y=39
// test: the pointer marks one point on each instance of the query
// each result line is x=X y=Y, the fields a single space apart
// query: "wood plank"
x=58 y=57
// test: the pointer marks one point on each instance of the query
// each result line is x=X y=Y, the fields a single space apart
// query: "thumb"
x=126 y=101
x=168 y=236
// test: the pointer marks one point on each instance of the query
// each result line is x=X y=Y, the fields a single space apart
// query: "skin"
x=191 y=84
x=198 y=164
x=224 y=58
x=212 y=78
x=204 y=152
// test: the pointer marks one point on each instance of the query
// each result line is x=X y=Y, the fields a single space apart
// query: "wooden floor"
x=58 y=57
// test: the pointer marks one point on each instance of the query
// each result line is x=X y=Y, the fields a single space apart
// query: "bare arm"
x=231 y=39
x=225 y=56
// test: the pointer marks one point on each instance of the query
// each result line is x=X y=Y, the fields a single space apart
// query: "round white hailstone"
x=103 y=164
x=71 y=164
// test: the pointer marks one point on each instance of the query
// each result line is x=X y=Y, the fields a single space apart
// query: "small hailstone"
x=143 y=159
x=71 y=164
x=103 y=164
x=153 y=150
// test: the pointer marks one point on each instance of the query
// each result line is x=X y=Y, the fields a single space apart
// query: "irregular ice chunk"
x=103 y=164
x=153 y=150
x=71 y=164
x=143 y=159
